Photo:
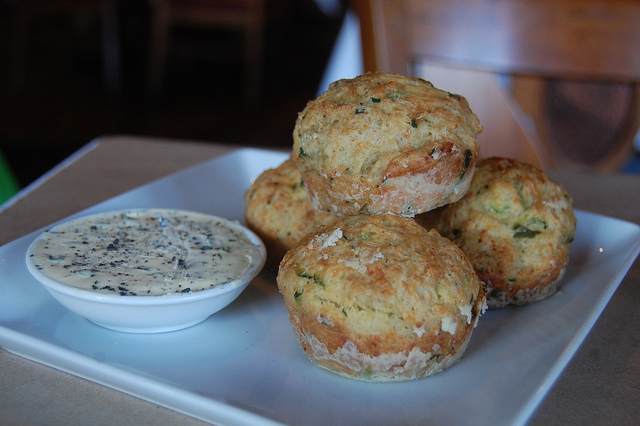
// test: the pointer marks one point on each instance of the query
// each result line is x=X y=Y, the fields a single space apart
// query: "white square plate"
x=243 y=365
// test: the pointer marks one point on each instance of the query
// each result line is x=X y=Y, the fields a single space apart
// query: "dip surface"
x=144 y=252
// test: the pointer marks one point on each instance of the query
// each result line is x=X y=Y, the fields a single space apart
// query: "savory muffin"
x=385 y=143
x=379 y=298
x=278 y=211
x=515 y=225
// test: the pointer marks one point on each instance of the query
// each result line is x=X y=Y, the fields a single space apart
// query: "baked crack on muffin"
x=515 y=225
x=380 y=298
x=385 y=143
x=278 y=211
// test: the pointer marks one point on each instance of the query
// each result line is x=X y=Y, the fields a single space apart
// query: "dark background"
x=62 y=103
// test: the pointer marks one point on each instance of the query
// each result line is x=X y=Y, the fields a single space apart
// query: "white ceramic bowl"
x=155 y=313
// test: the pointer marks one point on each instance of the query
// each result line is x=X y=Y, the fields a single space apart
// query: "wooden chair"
x=557 y=55
x=246 y=16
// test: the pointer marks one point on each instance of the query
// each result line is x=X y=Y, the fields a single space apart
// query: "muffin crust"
x=515 y=225
x=379 y=298
x=278 y=211
x=385 y=143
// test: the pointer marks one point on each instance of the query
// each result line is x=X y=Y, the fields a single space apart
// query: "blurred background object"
x=70 y=72
x=566 y=72
x=8 y=183
x=247 y=17
x=79 y=18
x=556 y=80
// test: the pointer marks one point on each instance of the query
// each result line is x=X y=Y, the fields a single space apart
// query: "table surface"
x=599 y=386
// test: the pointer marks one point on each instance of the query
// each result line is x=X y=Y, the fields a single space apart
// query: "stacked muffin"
x=279 y=212
x=382 y=143
x=371 y=294
x=515 y=225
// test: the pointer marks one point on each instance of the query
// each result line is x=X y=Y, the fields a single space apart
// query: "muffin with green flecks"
x=515 y=225
x=385 y=143
x=380 y=298
x=278 y=211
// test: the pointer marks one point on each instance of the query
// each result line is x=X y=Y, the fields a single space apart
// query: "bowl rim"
x=239 y=281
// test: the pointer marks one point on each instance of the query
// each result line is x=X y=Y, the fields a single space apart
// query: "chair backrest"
x=535 y=41
x=571 y=39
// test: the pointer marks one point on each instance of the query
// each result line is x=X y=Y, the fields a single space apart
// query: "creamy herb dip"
x=145 y=252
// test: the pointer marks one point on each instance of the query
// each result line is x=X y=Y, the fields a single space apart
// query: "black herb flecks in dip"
x=144 y=252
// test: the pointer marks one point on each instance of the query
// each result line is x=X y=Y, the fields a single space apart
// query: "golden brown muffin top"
x=520 y=198
x=359 y=126
x=385 y=276
x=515 y=225
x=278 y=210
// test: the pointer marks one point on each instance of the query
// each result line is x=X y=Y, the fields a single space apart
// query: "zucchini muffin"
x=380 y=298
x=278 y=211
x=515 y=225
x=385 y=143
